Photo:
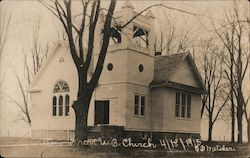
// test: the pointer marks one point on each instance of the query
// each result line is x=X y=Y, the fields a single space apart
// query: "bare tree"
x=215 y=100
x=33 y=59
x=231 y=80
x=173 y=39
x=4 y=30
x=5 y=19
x=247 y=115
x=75 y=34
x=84 y=32
x=233 y=33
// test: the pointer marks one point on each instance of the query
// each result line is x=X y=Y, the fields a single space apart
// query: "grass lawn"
x=67 y=151
x=242 y=151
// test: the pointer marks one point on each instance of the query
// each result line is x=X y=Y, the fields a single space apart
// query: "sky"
x=25 y=14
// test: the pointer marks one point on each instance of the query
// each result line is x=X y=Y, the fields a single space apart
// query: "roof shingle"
x=164 y=65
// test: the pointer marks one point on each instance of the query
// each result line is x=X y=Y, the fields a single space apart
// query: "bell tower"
x=130 y=56
x=128 y=68
x=137 y=32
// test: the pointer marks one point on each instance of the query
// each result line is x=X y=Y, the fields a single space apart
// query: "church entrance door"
x=101 y=112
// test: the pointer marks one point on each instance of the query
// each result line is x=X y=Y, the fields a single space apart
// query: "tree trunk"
x=210 y=129
x=248 y=130
x=81 y=108
x=240 y=111
x=232 y=119
x=81 y=132
x=239 y=121
x=231 y=80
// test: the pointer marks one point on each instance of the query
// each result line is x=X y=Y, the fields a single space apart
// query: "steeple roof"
x=128 y=4
x=150 y=14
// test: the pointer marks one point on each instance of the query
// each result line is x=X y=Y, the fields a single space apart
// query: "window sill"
x=139 y=116
x=182 y=118
x=63 y=116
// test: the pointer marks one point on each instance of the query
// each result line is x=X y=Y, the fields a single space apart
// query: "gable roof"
x=51 y=54
x=164 y=67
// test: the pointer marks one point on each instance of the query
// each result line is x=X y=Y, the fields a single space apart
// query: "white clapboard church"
x=140 y=94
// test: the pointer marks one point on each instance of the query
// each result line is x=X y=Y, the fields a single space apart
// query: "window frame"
x=136 y=105
x=189 y=106
x=183 y=107
x=140 y=106
x=177 y=104
x=60 y=106
x=66 y=105
x=54 y=105
x=61 y=90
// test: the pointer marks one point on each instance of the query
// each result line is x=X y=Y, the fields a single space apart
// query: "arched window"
x=60 y=106
x=66 y=105
x=61 y=90
x=61 y=87
x=54 y=106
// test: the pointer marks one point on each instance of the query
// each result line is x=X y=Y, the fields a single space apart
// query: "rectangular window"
x=139 y=105
x=177 y=105
x=136 y=105
x=183 y=105
x=142 y=105
x=189 y=106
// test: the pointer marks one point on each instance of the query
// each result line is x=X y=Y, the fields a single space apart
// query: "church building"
x=140 y=94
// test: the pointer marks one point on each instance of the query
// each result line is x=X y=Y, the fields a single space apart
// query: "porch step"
x=105 y=131
x=94 y=129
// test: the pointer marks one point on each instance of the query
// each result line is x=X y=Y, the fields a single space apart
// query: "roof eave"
x=178 y=86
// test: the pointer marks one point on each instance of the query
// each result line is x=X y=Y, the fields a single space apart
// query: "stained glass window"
x=61 y=87
x=54 y=106
x=66 y=105
x=63 y=102
x=60 y=106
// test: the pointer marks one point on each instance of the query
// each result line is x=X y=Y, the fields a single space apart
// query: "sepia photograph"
x=125 y=78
